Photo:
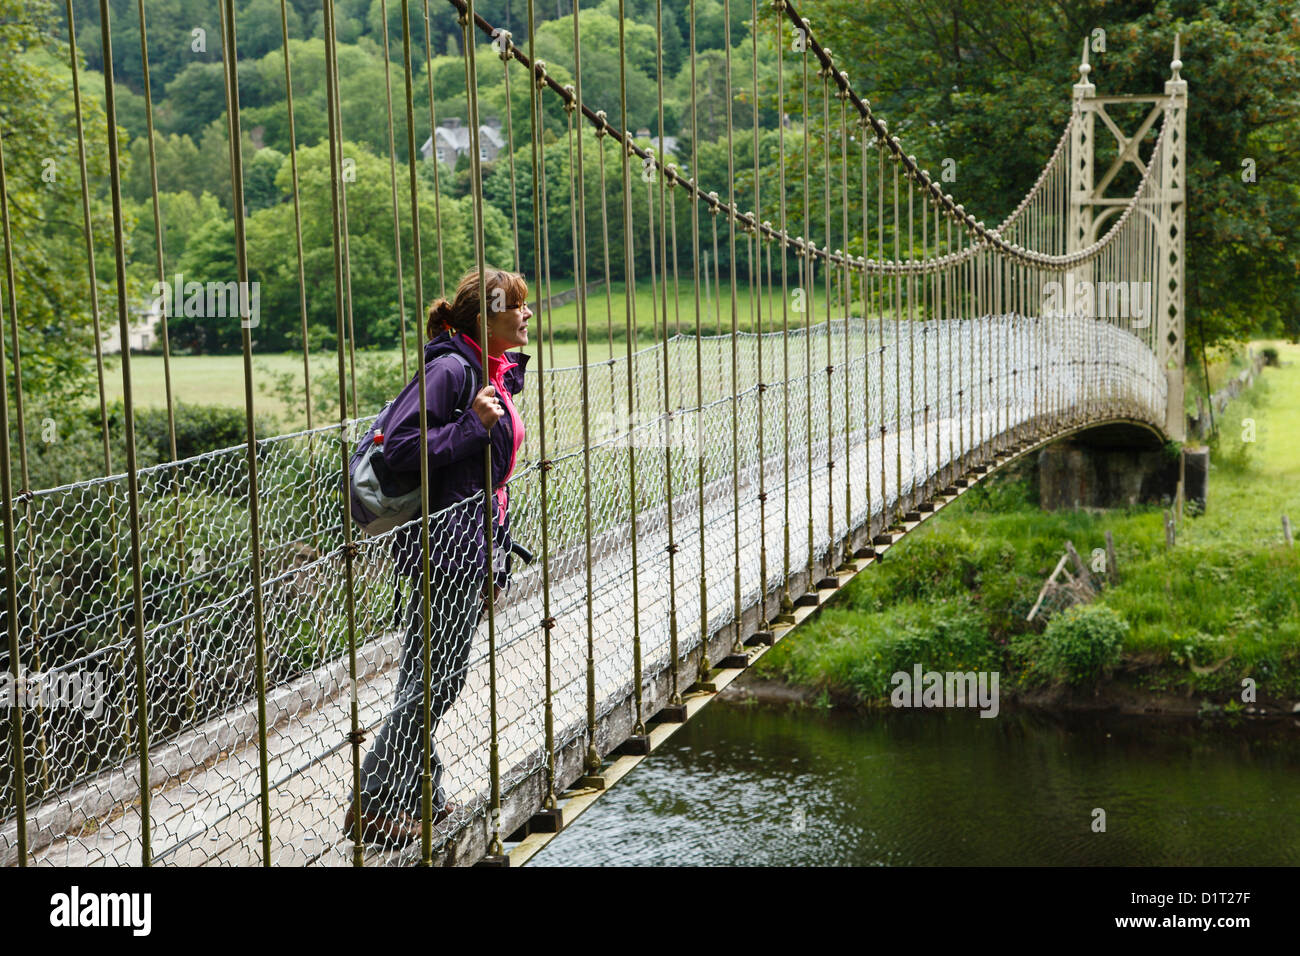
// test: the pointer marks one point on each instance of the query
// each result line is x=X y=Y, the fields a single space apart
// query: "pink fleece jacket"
x=498 y=365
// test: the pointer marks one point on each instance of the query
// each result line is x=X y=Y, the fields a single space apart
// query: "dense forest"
x=984 y=88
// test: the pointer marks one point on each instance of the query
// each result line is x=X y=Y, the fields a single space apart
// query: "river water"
x=745 y=784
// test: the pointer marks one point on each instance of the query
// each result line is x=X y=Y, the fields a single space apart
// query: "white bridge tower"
x=1090 y=207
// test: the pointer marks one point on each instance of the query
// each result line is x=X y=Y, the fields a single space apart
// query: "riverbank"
x=1209 y=627
x=1114 y=697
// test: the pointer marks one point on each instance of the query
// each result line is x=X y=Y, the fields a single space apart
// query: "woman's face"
x=507 y=323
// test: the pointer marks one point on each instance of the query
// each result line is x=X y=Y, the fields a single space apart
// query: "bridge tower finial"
x=1176 y=85
x=1084 y=87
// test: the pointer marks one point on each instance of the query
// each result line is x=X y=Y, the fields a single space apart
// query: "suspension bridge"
x=689 y=501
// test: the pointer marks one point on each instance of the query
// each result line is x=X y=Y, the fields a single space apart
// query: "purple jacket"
x=456 y=443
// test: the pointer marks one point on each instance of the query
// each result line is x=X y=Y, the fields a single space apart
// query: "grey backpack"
x=383 y=499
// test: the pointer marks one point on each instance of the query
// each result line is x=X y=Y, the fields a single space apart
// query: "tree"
x=259 y=27
x=183 y=216
x=372 y=286
x=987 y=86
x=559 y=175
x=361 y=96
x=374 y=27
x=176 y=157
x=211 y=168
x=44 y=200
x=260 y=189
x=196 y=97
x=209 y=257
x=600 y=62
x=181 y=32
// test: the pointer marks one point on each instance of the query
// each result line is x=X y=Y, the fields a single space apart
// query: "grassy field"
x=1222 y=364
x=606 y=312
x=219 y=379
x=1219 y=608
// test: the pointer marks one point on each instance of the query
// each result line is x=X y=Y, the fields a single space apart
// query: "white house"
x=143 y=330
x=670 y=142
x=452 y=141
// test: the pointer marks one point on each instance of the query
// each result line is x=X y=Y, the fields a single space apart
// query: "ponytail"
x=441 y=319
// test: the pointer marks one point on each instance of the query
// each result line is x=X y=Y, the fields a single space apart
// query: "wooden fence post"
x=1084 y=574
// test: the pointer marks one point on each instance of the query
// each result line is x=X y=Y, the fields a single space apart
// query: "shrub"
x=1081 y=644
x=1270 y=356
x=67 y=445
x=378 y=378
x=947 y=636
x=199 y=429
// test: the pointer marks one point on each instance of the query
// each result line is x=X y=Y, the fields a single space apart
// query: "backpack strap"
x=467 y=391
x=466 y=395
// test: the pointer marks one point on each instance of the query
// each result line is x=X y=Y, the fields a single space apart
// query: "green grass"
x=1224 y=363
x=608 y=312
x=1222 y=606
x=205 y=379
x=219 y=379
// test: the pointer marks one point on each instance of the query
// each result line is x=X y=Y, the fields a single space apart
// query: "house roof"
x=457 y=138
x=670 y=144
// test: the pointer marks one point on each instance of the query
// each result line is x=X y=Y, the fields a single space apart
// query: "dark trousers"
x=390 y=772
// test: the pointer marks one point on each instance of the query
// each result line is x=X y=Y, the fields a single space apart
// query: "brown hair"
x=462 y=313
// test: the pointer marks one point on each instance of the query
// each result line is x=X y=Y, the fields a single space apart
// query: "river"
x=747 y=784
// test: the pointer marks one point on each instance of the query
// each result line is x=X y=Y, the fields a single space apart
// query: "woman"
x=464 y=415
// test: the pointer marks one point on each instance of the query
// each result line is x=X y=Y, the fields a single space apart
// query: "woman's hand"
x=487 y=406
